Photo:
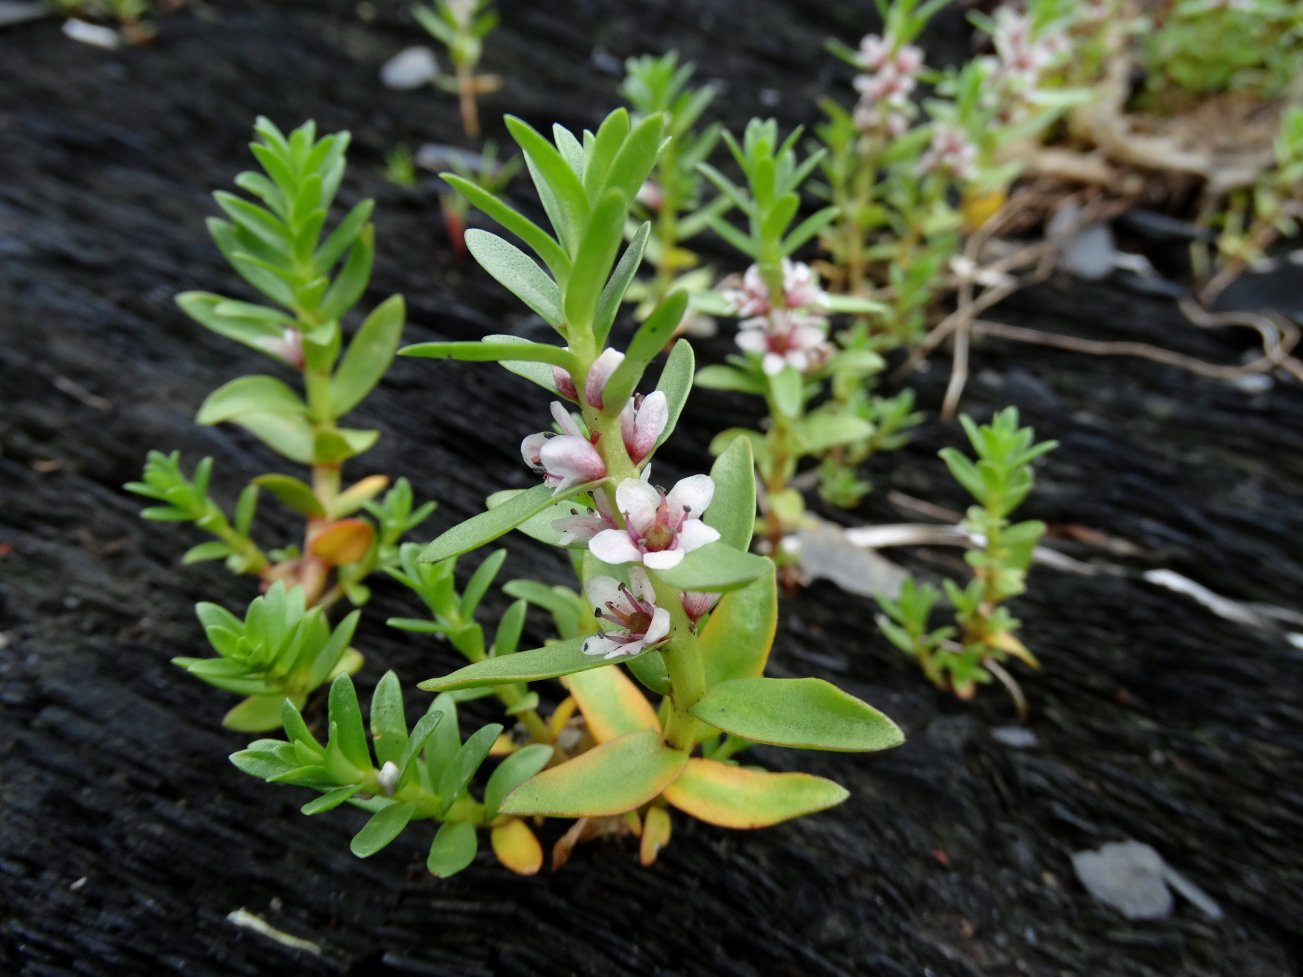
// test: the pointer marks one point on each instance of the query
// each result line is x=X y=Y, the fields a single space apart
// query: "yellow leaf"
x=611 y=703
x=342 y=542
x=1005 y=641
x=980 y=208
x=516 y=847
x=655 y=835
x=738 y=797
x=609 y=779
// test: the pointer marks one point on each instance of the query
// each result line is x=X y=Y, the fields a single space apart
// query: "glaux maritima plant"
x=667 y=587
x=961 y=657
x=672 y=592
x=671 y=198
x=461 y=26
x=787 y=354
x=284 y=647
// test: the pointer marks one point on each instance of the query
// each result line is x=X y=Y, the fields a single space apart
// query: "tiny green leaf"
x=518 y=273
x=489 y=525
x=385 y=825
x=453 y=849
x=368 y=356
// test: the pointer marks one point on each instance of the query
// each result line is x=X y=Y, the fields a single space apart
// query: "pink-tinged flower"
x=800 y=288
x=583 y=524
x=752 y=298
x=650 y=196
x=659 y=529
x=696 y=603
x=950 y=152
x=598 y=374
x=565 y=384
x=908 y=59
x=785 y=339
x=288 y=347
x=800 y=285
x=564 y=459
x=640 y=624
x=886 y=86
x=641 y=423
x=874 y=51
x=873 y=120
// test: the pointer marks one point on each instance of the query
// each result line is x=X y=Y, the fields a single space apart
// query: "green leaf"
x=634 y=162
x=256 y=714
x=718 y=376
x=489 y=525
x=250 y=395
x=716 y=568
x=533 y=371
x=252 y=332
x=453 y=849
x=805 y=713
x=385 y=825
x=349 y=284
x=294 y=493
x=212 y=550
x=817 y=433
x=329 y=800
x=650 y=670
x=551 y=661
x=646 y=344
x=511 y=773
x=478 y=585
x=786 y=386
x=457 y=774
x=518 y=273
x=676 y=383
x=534 y=237
x=613 y=294
x=541 y=526
x=493 y=351
x=559 y=189
x=342 y=237
x=368 y=356
x=737 y=637
x=609 y=779
x=388 y=722
x=732 y=509
x=593 y=259
x=739 y=797
x=290 y=436
x=346 y=717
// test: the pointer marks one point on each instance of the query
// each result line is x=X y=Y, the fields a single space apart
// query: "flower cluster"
x=891 y=75
x=1022 y=57
x=793 y=334
x=951 y=152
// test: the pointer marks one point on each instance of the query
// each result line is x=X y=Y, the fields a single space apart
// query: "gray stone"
x=409 y=69
x=1128 y=876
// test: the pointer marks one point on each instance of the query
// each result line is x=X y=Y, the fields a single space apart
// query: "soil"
x=126 y=837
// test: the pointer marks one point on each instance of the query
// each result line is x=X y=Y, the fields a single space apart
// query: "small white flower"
x=785 y=338
x=598 y=374
x=641 y=423
x=640 y=623
x=659 y=529
x=950 y=152
x=566 y=459
x=387 y=777
x=583 y=524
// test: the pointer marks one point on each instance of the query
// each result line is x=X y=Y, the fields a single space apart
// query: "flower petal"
x=640 y=585
x=615 y=547
x=649 y=422
x=599 y=373
x=692 y=494
x=600 y=644
x=664 y=560
x=637 y=502
x=659 y=629
x=694 y=534
x=601 y=591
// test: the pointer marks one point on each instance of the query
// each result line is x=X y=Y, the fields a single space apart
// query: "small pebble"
x=92 y=34
x=409 y=69
x=1128 y=876
x=1017 y=737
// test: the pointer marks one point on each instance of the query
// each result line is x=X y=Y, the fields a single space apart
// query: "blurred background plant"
x=461 y=27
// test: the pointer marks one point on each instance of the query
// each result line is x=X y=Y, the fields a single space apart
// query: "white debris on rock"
x=1133 y=878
